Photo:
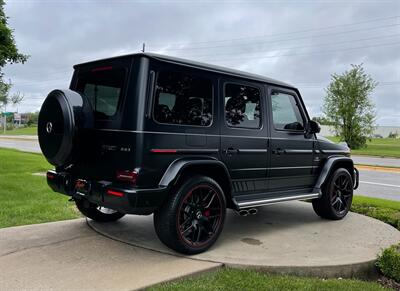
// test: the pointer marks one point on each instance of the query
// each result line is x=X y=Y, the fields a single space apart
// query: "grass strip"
x=236 y=279
x=26 y=198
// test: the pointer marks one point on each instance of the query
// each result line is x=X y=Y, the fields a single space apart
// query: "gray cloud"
x=59 y=34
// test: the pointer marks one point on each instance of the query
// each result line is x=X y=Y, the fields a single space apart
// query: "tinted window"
x=183 y=99
x=285 y=112
x=103 y=89
x=242 y=106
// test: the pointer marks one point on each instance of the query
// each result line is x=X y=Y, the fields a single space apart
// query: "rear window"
x=103 y=88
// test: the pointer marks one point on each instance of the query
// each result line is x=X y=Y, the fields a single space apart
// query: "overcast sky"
x=299 y=42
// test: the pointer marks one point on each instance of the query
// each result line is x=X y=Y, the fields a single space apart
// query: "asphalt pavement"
x=379 y=184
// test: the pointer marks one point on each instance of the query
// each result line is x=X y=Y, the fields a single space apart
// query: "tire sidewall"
x=330 y=188
x=175 y=203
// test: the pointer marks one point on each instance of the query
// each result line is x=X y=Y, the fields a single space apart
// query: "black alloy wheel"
x=341 y=193
x=193 y=217
x=199 y=215
x=337 y=196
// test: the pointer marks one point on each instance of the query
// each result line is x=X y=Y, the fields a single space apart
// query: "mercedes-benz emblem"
x=199 y=214
x=49 y=127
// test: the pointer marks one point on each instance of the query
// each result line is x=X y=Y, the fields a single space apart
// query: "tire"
x=337 y=196
x=191 y=220
x=63 y=115
x=97 y=213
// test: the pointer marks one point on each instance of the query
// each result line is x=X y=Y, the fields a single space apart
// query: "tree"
x=7 y=98
x=322 y=120
x=348 y=106
x=9 y=54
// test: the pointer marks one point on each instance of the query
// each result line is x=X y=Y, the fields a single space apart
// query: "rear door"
x=104 y=148
x=291 y=158
x=243 y=137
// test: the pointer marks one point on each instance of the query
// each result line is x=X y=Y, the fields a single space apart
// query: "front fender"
x=178 y=166
x=329 y=167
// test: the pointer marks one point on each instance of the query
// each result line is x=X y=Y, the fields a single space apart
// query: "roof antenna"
x=144 y=47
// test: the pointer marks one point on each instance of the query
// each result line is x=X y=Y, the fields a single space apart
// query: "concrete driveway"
x=68 y=255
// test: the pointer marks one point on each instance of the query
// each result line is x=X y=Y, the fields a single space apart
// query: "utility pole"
x=143 y=48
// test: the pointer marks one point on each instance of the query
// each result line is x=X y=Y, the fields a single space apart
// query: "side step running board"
x=266 y=201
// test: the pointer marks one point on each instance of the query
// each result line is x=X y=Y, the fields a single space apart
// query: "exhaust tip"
x=243 y=212
x=253 y=211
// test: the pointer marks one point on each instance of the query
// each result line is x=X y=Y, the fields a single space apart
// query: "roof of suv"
x=204 y=66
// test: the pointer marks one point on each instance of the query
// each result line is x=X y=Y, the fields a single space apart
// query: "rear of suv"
x=150 y=134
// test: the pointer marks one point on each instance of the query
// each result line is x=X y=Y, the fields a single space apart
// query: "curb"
x=378 y=168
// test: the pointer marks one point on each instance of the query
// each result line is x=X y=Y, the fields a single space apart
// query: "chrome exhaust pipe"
x=246 y=212
x=243 y=212
x=253 y=211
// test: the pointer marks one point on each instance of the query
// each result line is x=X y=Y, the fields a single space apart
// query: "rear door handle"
x=230 y=151
x=278 y=151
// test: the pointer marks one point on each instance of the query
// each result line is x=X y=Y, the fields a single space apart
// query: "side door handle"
x=278 y=151
x=230 y=151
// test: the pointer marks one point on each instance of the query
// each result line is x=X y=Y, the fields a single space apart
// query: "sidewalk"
x=68 y=255
x=19 y=137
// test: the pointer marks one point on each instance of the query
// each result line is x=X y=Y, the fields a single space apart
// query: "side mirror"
x=313 y=127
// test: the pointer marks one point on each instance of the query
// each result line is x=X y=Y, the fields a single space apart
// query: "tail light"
x=50 y=176
x=115 y=193
x=127 y=176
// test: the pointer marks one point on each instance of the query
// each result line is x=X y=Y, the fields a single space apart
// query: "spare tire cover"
x=63 y=114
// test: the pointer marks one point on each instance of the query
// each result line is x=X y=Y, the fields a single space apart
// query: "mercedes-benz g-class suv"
x=150 y=134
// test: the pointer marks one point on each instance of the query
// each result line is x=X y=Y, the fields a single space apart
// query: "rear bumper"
x=107 y=194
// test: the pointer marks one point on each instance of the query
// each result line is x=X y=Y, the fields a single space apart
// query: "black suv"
x=147 y=133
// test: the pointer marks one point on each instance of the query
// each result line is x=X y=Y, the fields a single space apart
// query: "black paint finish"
x=248 y=163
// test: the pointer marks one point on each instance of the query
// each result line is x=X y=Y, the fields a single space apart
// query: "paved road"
x=22 y=143
x=68 y=255
x=379 y=184
x=376 y=161
x=373 y=183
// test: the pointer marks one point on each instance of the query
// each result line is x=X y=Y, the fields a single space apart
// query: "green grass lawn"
x=21 y=131
x=385 y=147
x=26 y=199
x=387 y=211
x=232 y=279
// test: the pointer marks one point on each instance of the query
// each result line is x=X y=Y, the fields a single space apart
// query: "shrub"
x=389 y=262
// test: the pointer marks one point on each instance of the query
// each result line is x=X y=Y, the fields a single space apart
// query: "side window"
x=242 y=106
x=285 y=112
x=183 y=99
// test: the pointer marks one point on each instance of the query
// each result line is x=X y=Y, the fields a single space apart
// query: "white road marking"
x=380 y=184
